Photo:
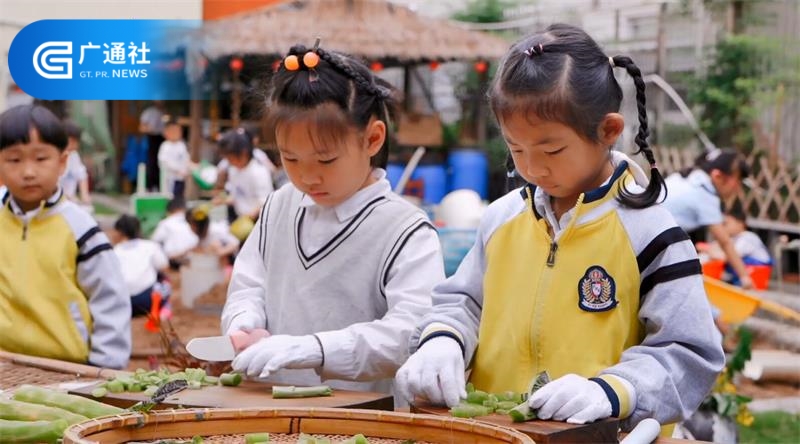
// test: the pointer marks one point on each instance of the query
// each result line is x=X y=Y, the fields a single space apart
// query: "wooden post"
x=425 y=90
x=407 y=97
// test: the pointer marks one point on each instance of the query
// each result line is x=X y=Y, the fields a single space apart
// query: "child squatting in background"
x=60 y=281
x=695 y=199
x=144 y=264
x=174 y=234
x=578 y=273
x=748 y=245
x=338 y=268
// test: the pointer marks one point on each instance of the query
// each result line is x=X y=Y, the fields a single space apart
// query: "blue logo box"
x=105 y=59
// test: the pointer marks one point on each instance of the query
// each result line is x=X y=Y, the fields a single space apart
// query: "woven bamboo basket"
x=230 y=425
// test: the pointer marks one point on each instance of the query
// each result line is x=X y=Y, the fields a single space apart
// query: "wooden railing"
x=772 y=201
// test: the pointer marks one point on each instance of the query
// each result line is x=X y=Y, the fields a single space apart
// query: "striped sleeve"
x=676 y=363
x=100 y=278
x=673 y=253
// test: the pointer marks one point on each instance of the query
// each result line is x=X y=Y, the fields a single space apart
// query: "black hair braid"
x=653 y=191
x=370 y=88
x=644 y=131
x=339 y=64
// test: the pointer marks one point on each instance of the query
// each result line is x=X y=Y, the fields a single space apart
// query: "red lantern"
x=236 y=64
x=376 y=66
x=481 y=67
x=434 y=65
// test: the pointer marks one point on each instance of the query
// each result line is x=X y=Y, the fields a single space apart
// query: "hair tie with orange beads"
x=310 y=59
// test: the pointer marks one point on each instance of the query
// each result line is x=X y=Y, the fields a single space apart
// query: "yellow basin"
x=734 y=303
x=737 y=305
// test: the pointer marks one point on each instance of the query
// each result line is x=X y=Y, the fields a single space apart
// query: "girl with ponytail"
x=338 y=268
x=579 y=272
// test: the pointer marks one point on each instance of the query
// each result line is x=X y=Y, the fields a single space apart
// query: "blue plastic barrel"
x=393 y=173
x=434 y=182
x=469 y=169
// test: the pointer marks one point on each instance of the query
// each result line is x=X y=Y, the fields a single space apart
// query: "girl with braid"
x=338 y=268
x=579 y=272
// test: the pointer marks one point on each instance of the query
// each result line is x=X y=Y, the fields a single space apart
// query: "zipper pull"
x=551 y=257
x=24 y=231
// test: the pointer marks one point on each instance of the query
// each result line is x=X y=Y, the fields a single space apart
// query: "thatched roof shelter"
x=372 y=29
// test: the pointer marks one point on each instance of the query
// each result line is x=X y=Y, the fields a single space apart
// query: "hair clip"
x=713 y=154
x=310 y=59
x=534 y=50
x=200 y=212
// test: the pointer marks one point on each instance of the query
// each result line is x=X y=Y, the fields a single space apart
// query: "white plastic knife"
x=223 y=348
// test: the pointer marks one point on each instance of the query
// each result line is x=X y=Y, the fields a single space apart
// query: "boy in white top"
x=174 y=234
x=142 y=259
x=173 y=159
x=338 y=268
x=747 y=244
x=75 y=180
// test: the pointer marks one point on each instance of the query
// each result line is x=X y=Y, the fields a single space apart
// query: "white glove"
x=572 y=398
x=276 y=352
x=435 y=371
x=243 y=322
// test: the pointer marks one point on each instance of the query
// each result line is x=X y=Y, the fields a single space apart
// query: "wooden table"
x=21 y=369
x=546 y=432
x=552 y=432
x=249 y=394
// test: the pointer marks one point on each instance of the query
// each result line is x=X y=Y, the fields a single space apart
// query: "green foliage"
x=741 y=73
x=724 y=399
x=676 y=135
x=484 y=11
x=742 y=353
x=771 y=427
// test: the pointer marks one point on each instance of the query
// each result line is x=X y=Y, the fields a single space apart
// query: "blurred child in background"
x=174 y=233
x=695 y=197
x=248 y=180
x=173 y=159
x=747 y=244
x=212 y=237
x=144 y=262
x=75 y=180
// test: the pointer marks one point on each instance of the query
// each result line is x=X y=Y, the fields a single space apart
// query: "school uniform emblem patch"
x=597 y=290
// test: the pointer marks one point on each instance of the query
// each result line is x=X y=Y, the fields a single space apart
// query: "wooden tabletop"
x=248 y=394
x=545 y=432
x=552 y=432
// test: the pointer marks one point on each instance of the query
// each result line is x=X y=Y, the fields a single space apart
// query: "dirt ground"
x=203 y=320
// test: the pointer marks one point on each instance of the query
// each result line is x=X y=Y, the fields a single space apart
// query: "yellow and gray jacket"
x=616 y=296
x=61 y=289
